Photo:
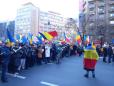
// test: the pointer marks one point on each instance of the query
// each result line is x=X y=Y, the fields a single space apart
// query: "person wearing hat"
x=90 y=60
x=5 y=60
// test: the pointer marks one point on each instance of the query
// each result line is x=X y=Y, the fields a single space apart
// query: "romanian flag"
x=43 y=35
x=40 y=36
x=66 y=38
x=87 y=39
x=53 y=33
x=48 y=36
x=90 y=58
x=78 y=39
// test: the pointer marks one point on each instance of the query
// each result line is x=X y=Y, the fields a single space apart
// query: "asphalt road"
x=69 y=73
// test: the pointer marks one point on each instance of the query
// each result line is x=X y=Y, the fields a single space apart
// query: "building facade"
x=27 y=19
x=30 y=19
x=98 y=19
x=49 y=21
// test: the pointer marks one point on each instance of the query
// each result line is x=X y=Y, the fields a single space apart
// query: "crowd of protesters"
x=22 y=56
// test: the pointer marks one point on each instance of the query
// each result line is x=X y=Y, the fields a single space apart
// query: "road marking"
x=15 y=75
x=48 y=84
x=50 y=63
x=100 y=57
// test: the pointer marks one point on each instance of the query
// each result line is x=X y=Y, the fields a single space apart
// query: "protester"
x=23 y=58
x=110 y=53
x=47 y=53
x=104 y=53
x=39 y=55
x=113 y=54
x=90 y=60
x=15 y=59
x=5 y=61
x=53 y=52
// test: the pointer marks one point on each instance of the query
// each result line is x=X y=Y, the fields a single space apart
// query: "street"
x=69 y=73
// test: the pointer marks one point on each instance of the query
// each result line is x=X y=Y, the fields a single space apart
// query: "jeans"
x=22 y=65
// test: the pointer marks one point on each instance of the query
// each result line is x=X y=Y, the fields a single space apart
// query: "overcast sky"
x=68 y=8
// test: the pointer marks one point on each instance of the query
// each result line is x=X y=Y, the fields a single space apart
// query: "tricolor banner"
x=90 y=58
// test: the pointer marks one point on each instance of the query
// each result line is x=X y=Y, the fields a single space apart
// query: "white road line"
x=50 y=63
x=48 y=84
x=100 y=57
x=16 y=75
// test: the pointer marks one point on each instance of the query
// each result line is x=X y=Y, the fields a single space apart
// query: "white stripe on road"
x=100 y=57
x=18 y=76
x=48 y=84
x=15 y=75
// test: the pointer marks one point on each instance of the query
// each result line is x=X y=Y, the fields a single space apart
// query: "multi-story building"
x=49 y=21
x=30 y=19
x=55 y=21
x=43 y=21
x=98 y=20
x=27 y=19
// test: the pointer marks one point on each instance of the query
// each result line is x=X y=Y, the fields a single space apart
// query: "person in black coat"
x=104 y=54
x=110 y=53
x=5 y=61
x=53 y=52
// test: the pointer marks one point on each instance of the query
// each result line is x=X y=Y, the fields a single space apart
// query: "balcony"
x=91 y=6
x=111 y=9
x=111 y=2
x=111 y=22
x=91 y=2
x=91 y=20
x=111 y=17
x=101 y=12
x=91 y=13
x=101 y=4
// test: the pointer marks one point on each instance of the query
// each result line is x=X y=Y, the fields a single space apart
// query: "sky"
x=68 y=8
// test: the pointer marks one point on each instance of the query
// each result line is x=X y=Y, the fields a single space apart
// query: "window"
x=101 y=16
x=100 y=9
x=91 y=24
x=112 y=15
x=91 y=6
x=92 y=12
x=112 y=22
x=112 y=7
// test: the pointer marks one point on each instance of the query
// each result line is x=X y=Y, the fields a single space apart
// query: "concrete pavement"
x=69 y=73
